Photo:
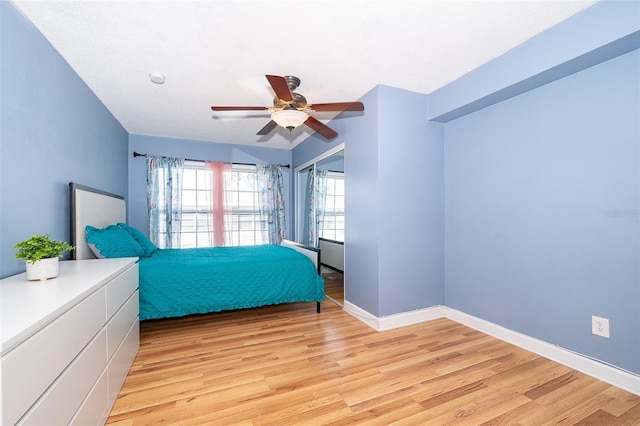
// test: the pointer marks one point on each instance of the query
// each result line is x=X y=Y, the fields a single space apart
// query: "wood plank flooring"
x=287 y=365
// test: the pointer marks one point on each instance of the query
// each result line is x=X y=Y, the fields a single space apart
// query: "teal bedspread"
x=178 y=282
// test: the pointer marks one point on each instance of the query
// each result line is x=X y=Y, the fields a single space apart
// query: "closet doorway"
x=320 y=215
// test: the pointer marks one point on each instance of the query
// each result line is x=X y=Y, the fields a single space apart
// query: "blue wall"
x=196 y=150
x=54 y=130
x=542 y=173
x=394 y=237
x=410 y=191
x=315 y=145
x=542 y=211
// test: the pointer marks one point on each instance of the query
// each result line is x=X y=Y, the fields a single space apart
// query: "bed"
x=179 y=282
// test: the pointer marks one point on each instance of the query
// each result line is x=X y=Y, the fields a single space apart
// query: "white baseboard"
x=597 y=369
x=397 y=320
x=361 y=314
x=600 y=370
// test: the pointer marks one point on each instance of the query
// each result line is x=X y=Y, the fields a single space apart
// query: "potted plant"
x=41 y=255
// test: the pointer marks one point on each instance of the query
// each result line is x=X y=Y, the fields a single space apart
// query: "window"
x=243 y=215
x=333 y=222
x=242 y=212
x=196 y=206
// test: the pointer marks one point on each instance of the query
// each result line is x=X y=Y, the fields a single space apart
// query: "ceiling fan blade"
x=338 y=106
x=238 y=108
x=321 y=128
x=280 y=86
x=268 y=128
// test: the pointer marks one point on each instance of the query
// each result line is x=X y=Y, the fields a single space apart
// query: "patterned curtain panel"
x=271 y=200
x=317 y=193
x=164 y=192
x=320 y=200
x=311 y=211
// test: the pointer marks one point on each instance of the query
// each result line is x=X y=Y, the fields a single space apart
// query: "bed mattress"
x=178 y=282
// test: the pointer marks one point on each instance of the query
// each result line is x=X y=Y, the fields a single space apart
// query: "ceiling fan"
x=291 y=110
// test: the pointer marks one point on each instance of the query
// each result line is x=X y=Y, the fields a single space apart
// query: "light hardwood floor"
x=287 y=365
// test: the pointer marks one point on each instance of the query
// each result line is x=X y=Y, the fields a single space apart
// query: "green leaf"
x=40 y=247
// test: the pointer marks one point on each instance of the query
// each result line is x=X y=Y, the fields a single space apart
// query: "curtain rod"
x=137 y=154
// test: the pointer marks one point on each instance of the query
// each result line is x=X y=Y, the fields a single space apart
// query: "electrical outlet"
x=600 y=326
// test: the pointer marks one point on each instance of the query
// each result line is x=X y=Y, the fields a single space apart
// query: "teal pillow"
x=147 y=246
x=112 y=241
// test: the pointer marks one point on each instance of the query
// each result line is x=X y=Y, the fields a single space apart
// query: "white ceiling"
x=217 y=52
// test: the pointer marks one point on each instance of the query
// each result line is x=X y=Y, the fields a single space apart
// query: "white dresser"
x=67 y=343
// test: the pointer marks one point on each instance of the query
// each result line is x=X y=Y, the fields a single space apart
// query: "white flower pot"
x=42 y=269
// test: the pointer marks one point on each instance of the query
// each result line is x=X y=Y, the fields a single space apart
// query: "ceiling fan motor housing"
x=292 y=82
x=299 y=102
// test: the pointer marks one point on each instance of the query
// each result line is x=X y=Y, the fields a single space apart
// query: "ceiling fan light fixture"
x=289 y=118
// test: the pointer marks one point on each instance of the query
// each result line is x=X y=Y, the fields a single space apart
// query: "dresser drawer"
x=94 y=410
x=29 y=369
x=121 y=322
x=122 y=360
x=119 y=290
x=58 y=405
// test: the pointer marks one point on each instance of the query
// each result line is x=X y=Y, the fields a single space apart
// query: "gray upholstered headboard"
x=93 y=207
